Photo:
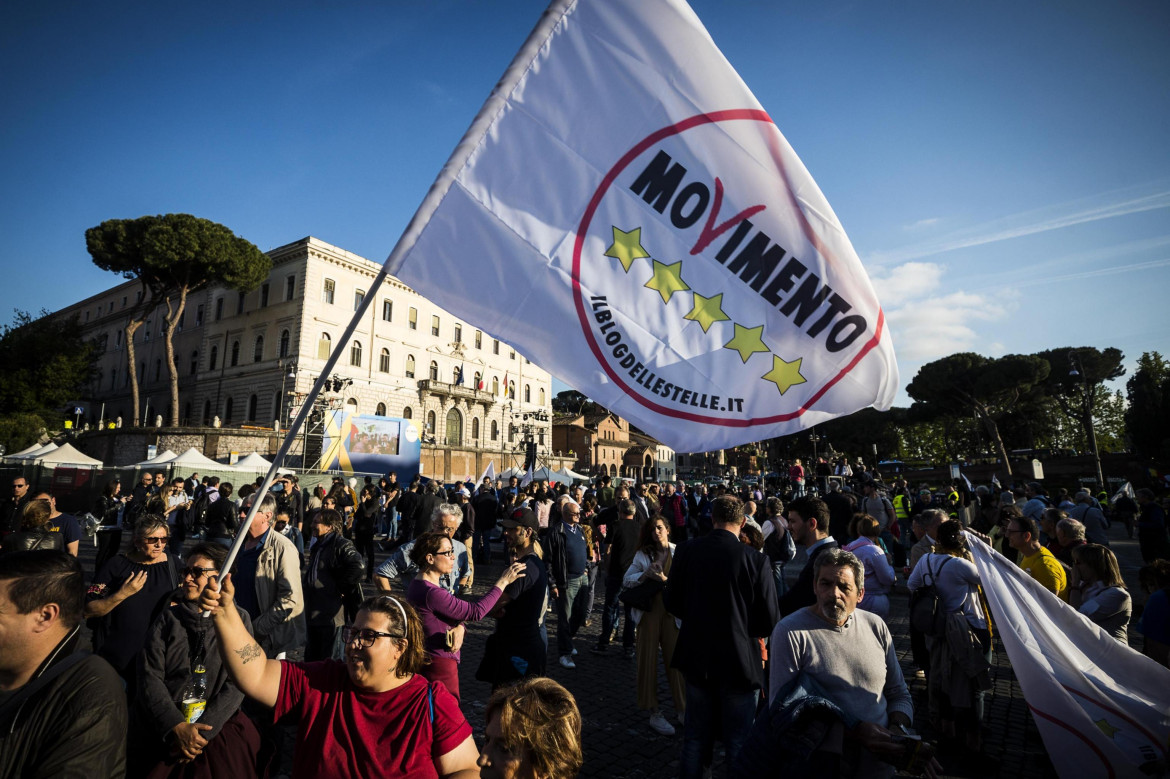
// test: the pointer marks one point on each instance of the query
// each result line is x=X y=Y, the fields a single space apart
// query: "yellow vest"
x=901 y=509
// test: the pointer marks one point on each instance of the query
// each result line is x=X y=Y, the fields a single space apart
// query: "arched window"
x=355 y=354
x=527 y=394
x=194 y=362
x=258 y=349
x=511 y=434
x=474 y=429
x=284 y=337
x=410 y=366
x=235 y=353
x=478 y=380
x=187 y=413
x=207 y=412
x=276 y=410
x=454 y=428
x=380 y=410
x=455 y=375
x=324 y=346
x=407 y=413
x=253 y=402
x=495 y=385
x=495 y=431
x=351 y=405
x=227 y=411
x=542 y=396
x=384 y=361
x=434 y=372
x=431 y=422
x=213 y=358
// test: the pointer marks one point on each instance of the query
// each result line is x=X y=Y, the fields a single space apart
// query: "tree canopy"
x=174 y=255
x=1147 y=416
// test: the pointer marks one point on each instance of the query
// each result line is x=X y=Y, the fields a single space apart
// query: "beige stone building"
x=604 y=444
x=250 y=360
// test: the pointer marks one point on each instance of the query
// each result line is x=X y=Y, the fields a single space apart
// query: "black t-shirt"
x=120 y=635
x=529 y=599
x=623 y=545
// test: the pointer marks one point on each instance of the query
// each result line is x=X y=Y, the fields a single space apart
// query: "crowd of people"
x=299 y=671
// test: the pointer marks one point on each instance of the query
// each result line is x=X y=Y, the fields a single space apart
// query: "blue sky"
x=1002 y=168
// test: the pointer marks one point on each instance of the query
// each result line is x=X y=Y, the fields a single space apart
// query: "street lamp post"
x=1077 y=370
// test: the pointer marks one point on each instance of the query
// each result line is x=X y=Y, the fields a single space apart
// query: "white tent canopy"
x=26 y=450
x=67 y=455
x=159 y=459
x=36 y=453
x=568 y=474
x=253 y=460
x=193 y=459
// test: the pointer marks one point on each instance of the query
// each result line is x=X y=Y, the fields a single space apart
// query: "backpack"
x=927 y=615
x=197 y=515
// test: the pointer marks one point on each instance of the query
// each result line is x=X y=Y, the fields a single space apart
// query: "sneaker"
x=574 y=652
x=920 y=674
x=630 y=652
x=567 y=662
x=659 y=724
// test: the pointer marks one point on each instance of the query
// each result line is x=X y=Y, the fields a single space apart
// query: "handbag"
x=926 y=610
x=641 y=595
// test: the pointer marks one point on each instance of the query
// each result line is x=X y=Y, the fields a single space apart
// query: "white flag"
x=526 y=479
x=624 y=211
x=489 y=472
x=1101 y=708
x=1126 y=490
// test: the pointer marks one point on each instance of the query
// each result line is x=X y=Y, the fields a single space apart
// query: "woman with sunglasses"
x=129 y=592
x=442 y=613
x=372 y=715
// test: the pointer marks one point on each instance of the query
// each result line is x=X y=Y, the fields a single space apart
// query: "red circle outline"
x=742 y=114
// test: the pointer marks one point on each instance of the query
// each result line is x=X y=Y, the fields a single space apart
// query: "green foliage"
x=1147 y=417
x=20 y=430
x=47 y=365
x=573 y=402
x=856 y=434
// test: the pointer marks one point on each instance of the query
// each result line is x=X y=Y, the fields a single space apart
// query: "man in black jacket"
x=62 y=712
x=622 y=532
x=568 y=570
x=808 y=522
x=723 y=592
x=487 y=512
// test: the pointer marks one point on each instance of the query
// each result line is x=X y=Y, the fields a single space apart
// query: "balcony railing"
x=436 y=387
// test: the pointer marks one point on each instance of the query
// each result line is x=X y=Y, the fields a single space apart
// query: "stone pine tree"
x=968 y=383
x=1147 y=413
x=174 y=255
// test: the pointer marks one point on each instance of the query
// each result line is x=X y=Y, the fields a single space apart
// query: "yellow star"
x=667 y=280
x=707 y=311
x=784 y=374
x=626 y=247
x=747 y=341
x=1105 y=727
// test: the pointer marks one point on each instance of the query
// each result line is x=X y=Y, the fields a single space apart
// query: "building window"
x=324 y=346
x=123 y=301
x=328 y=290
x=87 y=313
x=541 y=396
x=227 y=411
x=495 y=346
x=253 y=402
x=527 y=394
x=512 y=354
x=380 y=410
x=434 y=325
x=407 y=413
x=384 y=361
x=118 y=340
x=359 y=297
x=207 y=412
x=146 y=331
x=240 y=304
x=235 y=353
x=410 y=366
x=387 y=310
x=290 y=287
x=213 y=358
x=474 y=429
x=495 y=431
x=284 y=338
x=258 y=349
x=355 y=354
x=478 y=339
x=218 y=309
x=478 y=380
x=431 y=422
x=495 y=385
x=434 y=371
x=198 y=316
x=264 y=295
x=511 y=434
x=194 y=362
x=454 y=434
x=456 y=375
x=458 y=333
x=182 y=321
x=412 y=318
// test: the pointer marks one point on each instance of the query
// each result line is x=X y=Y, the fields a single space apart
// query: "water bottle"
x=195 y=695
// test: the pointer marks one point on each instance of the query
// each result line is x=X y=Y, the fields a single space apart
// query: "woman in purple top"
x=442 y=613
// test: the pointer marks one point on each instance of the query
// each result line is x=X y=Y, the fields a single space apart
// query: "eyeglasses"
x=195 y=572
x=448 y=553
x=160 y=540
x=364 y=637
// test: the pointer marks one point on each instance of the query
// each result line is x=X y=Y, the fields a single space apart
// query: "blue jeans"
x=778 y=575
x=481 y=546
x=610 y=613
x=713 y=709
x=571 y=611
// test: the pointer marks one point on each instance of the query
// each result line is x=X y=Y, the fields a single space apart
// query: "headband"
x=402 y=611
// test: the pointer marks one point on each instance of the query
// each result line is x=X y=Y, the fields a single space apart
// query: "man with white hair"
x=446 y=519
x=1091 y=517
x=568 y=564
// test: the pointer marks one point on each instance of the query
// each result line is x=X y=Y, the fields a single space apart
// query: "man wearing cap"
x=517 y=647
x=568 y=561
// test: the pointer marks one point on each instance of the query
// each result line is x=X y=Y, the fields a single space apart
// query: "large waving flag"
x=659 y=244
x=1101 y=708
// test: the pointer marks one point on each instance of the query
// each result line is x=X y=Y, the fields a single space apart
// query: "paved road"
x=619 y=743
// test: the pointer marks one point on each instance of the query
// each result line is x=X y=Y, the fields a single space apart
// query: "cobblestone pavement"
x=619 y=743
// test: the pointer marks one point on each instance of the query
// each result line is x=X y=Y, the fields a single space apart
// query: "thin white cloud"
x=921 y=223
x=1089 y=274
x=1115 y=204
